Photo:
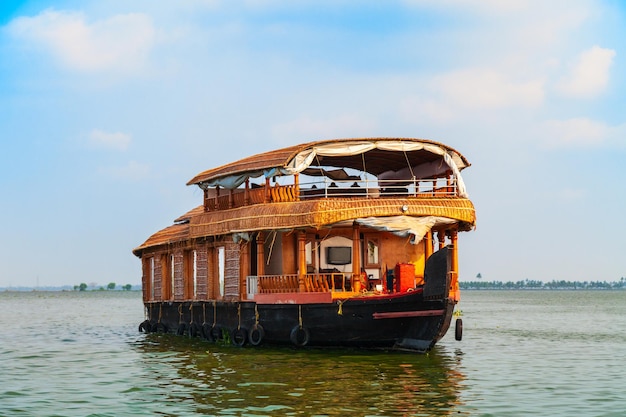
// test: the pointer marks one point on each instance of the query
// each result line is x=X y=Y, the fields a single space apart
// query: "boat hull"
x=405 y=320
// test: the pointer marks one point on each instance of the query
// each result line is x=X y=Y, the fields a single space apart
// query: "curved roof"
x=377 y=160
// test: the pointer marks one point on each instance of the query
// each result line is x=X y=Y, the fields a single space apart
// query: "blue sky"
x=108 y=108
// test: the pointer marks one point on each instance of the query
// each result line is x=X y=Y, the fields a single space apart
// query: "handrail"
x=287 y=283
x=445 y=186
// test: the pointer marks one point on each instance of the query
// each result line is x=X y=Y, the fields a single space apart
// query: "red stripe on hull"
x=402 y=314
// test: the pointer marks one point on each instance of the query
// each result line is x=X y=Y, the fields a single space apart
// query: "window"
x=152 y=278
x=172 y=276
x=195 y=274
x=371 y=252
x=221 y=268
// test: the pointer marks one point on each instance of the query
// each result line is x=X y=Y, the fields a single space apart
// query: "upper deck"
x=341 y=168
x=326 y=182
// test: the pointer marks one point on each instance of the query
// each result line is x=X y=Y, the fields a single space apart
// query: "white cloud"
x=117 y=140
x=486 y=88
x=577 y=132
x=133 y=171
x=120 y=43
x=590 y=75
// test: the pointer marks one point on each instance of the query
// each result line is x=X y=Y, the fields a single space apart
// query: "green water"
x=523 y=353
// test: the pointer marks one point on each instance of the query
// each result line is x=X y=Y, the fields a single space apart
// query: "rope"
x=300 y=315
x=239 y=316
x=256 y=315
x=191 y=314
x=180 y=313
x=160 y=312
x=269 y=255
x=214 y=312
x=203 y=313
x=408 y=163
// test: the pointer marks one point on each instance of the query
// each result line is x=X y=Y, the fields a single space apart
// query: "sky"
x=107 y=109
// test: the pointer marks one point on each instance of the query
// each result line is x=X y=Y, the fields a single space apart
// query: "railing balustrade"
x=325 y=188
x=290 y=283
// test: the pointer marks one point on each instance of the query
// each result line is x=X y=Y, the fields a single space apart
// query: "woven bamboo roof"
x=377 y=161
x=303 y=214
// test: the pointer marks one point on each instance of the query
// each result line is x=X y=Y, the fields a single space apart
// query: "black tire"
x=206 y=332
x=299 y=336
x=182 y=329
x=194 y=329
x=145 y=326
x=256 y=335
x=159 y=328
x=216 y=333
x=239 y=337
x=458 y=329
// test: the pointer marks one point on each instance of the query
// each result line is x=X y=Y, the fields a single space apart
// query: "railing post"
x=266 y=196
x=356 y=258
x=301 y=260
x=260 y=255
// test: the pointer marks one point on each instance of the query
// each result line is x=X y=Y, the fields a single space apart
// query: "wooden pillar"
x=260 y=256
x=296 y=190
x=206 y=199
x=266 y=196
x=441 y=237
x=301 y=260
x=455 y=292
x=246 y=193
x=428 y=247
x=356 y=258
x=244 y=269
x=217 y=197
x=231 y=198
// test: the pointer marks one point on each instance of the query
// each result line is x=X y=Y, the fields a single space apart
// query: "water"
x=540 y=353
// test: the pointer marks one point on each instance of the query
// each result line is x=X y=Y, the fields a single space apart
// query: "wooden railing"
x=416 y=188
x=273 y=284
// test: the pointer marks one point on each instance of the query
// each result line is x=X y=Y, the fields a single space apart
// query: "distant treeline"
x=540 y=285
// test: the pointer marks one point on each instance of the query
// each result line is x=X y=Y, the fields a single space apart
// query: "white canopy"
x=405 y=226
x=302 y=160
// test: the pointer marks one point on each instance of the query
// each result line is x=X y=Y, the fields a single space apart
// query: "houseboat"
x=344 y=242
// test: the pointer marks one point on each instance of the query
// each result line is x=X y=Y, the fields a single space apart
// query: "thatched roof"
x=376 y=161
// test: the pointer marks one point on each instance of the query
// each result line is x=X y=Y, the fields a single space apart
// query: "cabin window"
x=191 y=274
x=165 y=280
x=309 y=253
x=152 y=278
x=171 y=276
x=221 y=268
x=371 y=252
x=195 y=274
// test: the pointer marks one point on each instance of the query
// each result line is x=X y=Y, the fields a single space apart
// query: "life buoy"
x=145 y=326
x=256 y=334
x=159 y=328
x=299 y=336
x=458 y=329
x=206 y=331
x=182 y=328
x=194 y=329
x=239 y=336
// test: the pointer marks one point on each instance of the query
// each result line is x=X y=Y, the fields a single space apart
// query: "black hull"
x=405 y=321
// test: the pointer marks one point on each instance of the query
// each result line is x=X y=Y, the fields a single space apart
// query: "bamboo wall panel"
x=202 y=289
x=231 y=278
x=179 y=284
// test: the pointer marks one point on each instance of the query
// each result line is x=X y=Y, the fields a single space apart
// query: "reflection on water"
x=285 y=381
x=545 y=353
